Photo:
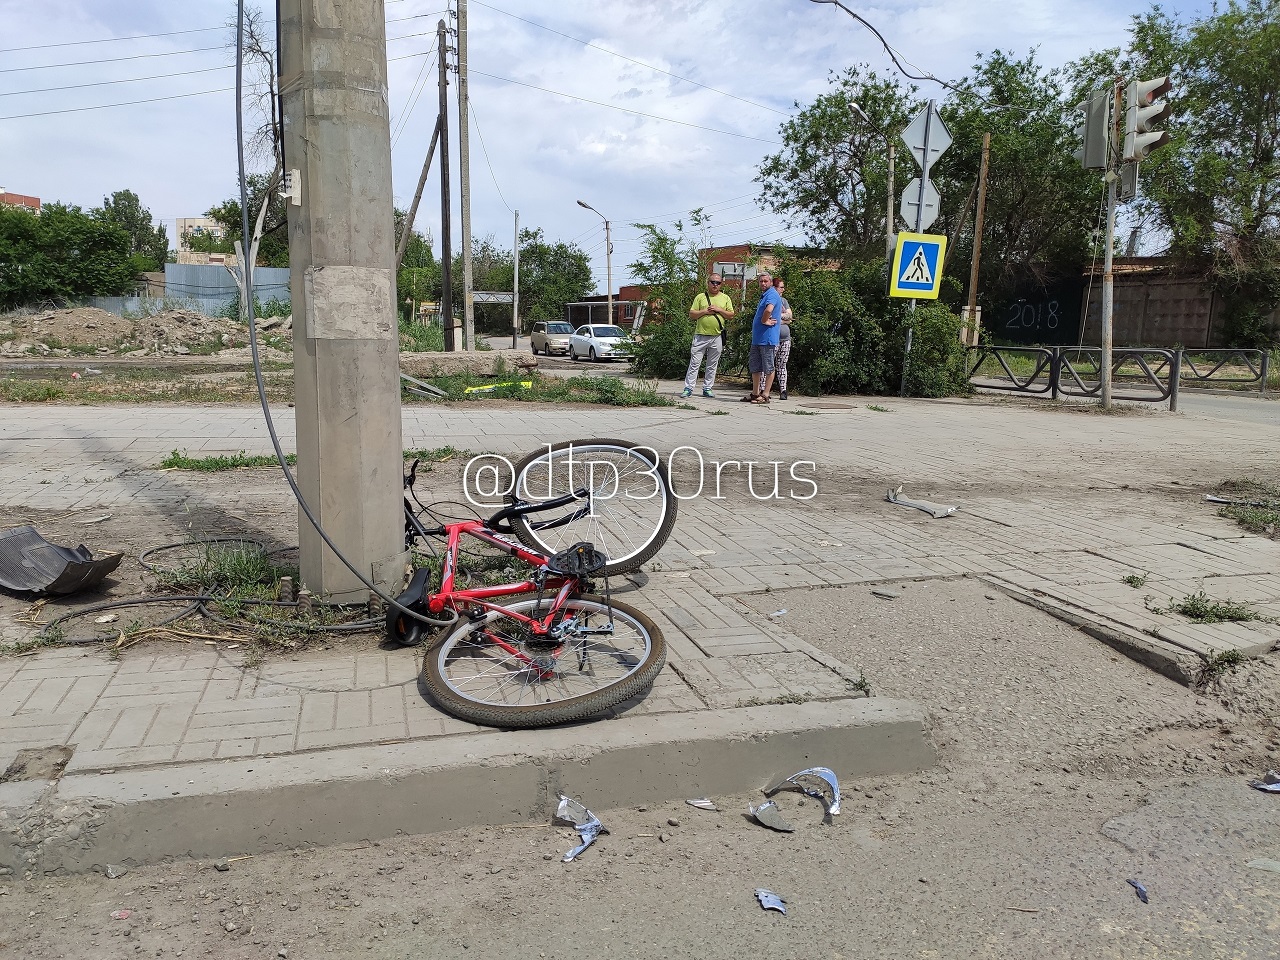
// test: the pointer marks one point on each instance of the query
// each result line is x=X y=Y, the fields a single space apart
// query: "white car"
x=598 y=342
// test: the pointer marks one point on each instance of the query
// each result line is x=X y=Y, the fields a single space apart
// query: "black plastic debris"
x=1140 y=890
x=30 y=563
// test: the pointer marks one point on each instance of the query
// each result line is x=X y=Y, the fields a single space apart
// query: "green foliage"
x=421 y=338
x=551 y=275
x=1135 y=580
x=148 y=245
x=668 y=268
x=274 y=307
x=611 y=391
x=19 y=391
x=1260 y=513
x=273 y=248
x=178 y=460
x=1215 y=189
x=1201 y=608
x=62 y=254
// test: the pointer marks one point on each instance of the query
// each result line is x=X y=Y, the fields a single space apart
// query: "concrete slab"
x=335 y=796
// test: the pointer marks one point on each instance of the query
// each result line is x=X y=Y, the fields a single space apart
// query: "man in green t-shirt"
x=709 y=312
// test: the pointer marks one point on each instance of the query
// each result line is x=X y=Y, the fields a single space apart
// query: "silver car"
x=550 y=336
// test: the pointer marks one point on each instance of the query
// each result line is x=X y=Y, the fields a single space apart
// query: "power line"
x=104 y=106
x=638 y=113
x=87 y=63
x=403 y=121
x=77 y=43
x=104 y=83
x=485 y=150
x=641 y=63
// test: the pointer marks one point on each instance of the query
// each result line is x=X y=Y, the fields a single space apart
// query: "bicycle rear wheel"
x=632 y=508
x=474 y=675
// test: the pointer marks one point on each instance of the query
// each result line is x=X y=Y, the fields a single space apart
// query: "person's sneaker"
x=708 y=393
x=784 y=395
x=686 y=392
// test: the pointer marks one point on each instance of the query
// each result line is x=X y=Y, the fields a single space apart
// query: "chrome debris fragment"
x=1139 y=889
x=583 y=820
x=702 y=803
x=825 y=774
x=767 y=815
x=771 y=901
x=935 y=510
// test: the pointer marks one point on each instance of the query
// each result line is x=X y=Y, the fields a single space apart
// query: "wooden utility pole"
x=417 y=197
x=464 y=182
x=446 y=226
x=972 y=318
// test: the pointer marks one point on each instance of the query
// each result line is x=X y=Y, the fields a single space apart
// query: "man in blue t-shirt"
x=764 y=340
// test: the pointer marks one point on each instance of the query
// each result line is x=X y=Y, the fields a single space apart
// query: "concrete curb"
x=1164 y=658
x=239 y=807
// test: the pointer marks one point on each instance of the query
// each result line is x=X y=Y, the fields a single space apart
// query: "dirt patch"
x=40 y=763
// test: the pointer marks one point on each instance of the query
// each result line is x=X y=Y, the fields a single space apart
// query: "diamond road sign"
x=927 y=134
x=911 y=203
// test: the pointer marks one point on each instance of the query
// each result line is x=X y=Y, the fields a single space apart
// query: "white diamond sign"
x=927 y=137
x=911 y=204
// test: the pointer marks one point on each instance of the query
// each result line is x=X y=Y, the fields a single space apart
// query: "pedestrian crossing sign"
x=917 y=266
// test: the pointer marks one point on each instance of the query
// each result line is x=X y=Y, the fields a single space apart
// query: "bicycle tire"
x=629 y=530
x=510 y=701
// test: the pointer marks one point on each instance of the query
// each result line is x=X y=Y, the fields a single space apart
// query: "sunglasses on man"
x=715 y=283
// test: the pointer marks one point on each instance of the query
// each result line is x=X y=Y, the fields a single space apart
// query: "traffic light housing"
x=1095 y=131
x=1144 y=111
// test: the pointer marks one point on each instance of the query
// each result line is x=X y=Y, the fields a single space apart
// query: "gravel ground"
x=1064 y=771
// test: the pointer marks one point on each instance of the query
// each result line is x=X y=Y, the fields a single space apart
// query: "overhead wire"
x=105 y=83
x=105 y=106
x=648 y=66
x=402 y=123
x=90 y=63
x=611 y=106
x=485 y=150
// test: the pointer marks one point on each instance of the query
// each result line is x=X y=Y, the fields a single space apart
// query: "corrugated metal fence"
x=205 y=288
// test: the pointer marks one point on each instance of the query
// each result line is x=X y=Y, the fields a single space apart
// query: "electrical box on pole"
x=1094 y=131
x=1143 y=111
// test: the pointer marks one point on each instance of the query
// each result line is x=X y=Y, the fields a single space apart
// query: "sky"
x=645 y=109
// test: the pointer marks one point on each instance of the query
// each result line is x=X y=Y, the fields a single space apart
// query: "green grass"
x=177 y=460
x=803 y=413
x=419 y=338
x=1199 y=607
x=1261 y=517
x=1135 y=581
x=719 y=413
x=19 y=391
x=608 y=391
x=877 y=408
x=1218 y=664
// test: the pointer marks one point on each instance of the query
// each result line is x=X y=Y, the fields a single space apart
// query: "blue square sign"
x=917 y=266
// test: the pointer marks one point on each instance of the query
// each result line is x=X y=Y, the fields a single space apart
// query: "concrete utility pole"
x=446 y=224
x=515 y=286
x=337 y=139
x=464 y=183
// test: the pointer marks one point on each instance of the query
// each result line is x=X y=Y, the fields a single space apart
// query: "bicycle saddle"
x=580 y=560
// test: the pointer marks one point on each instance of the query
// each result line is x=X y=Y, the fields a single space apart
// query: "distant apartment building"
x=8 y=199
x=196 y=227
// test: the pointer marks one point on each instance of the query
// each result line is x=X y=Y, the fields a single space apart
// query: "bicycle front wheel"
x=496 y=673
x=631 y=510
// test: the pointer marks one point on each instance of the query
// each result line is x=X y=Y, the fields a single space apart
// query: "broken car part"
x=1139 y=889
x=421 y=387
x=767 y=815
x=30 y=563
x=771 y=901
x=936 y=510
x=824 y=774
x=702 y=803
x=583 y=820
x=1270 y=782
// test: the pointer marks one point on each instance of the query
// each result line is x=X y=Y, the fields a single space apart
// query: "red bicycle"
x=547 y=649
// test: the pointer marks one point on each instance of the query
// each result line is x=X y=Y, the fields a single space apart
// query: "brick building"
x=8 y=199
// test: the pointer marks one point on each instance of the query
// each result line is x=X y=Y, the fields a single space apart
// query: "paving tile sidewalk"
x=1029 y=520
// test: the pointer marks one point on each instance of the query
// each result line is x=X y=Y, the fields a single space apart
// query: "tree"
x=551 y=275
x=831 y=176
x=264 y=140
x=1215 y=190
x=62 y=254
x=273 y=249
x=147 y=244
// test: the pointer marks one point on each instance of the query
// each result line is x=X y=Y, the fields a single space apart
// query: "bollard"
x=284 y=591
x=304 y=602
x=1175 y=378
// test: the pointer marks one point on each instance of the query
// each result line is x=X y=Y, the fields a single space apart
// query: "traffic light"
x=1143 y=113
x=1095 y=131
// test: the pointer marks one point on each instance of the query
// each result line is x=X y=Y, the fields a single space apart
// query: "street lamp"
x=888 y=207
x=608 y=254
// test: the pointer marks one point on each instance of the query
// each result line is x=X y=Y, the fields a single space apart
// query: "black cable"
x=105 y=106
x=106 y=83
x=192 y=600
x=247 y=302
x=86 y=63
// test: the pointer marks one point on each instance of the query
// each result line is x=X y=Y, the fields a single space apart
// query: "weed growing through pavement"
x=1199 y=607
x=877 y=408
x=802 y=413
x=719 y=413
x=862 y=684
x=178 y=460
x=1135 y=581
x=1216 y=665
x=608 y=391
x=1261 y=514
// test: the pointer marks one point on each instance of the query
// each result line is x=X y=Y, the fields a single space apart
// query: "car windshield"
x=607 y=332
x=559 y=328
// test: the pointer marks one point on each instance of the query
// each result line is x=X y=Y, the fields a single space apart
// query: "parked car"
x=550 y=336
x=598 y=342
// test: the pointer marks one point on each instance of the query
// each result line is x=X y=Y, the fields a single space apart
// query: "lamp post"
x=608 y=254
x=888 y=205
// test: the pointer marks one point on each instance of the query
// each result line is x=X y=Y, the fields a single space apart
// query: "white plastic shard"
x=702 y=803
x=583 y=820
x=767 y=815
x=936 y=510
x=824 y=774
x=771 y=901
